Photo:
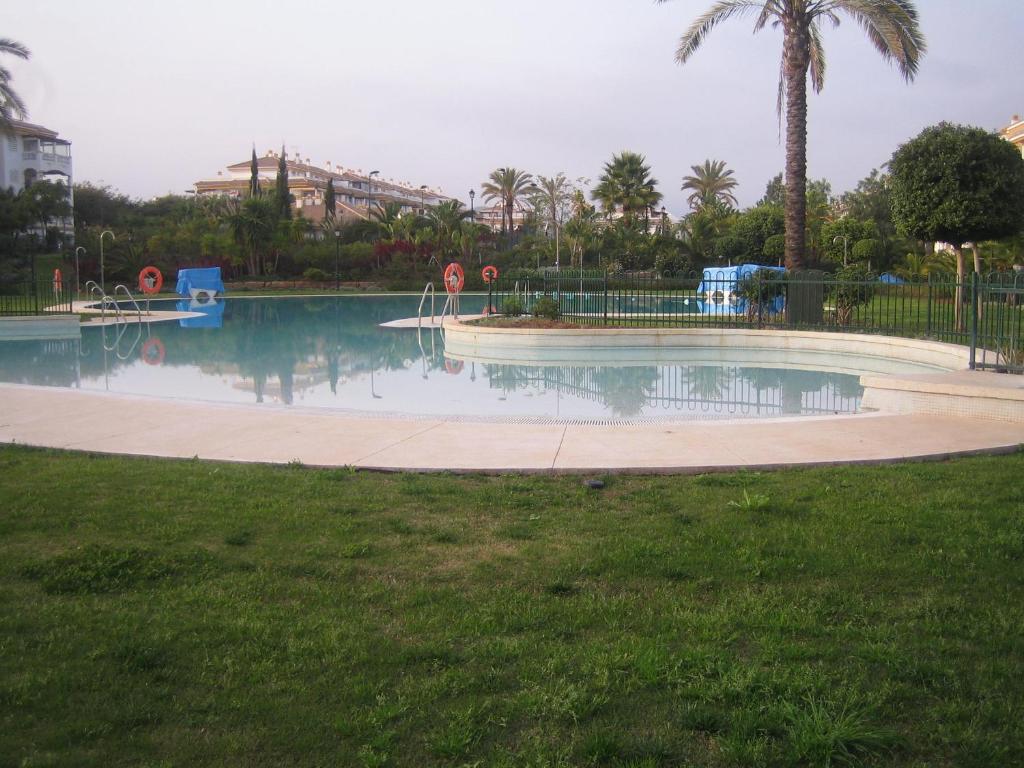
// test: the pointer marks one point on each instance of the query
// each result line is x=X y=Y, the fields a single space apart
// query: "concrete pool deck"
x=148 y=426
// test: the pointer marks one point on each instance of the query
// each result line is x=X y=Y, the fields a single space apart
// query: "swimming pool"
x=329 y=352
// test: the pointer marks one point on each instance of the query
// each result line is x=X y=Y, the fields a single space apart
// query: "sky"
x=157 y=95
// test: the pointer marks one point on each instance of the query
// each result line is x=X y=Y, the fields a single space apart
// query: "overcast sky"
x=157 y=95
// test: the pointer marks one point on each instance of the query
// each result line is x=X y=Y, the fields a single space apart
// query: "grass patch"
x=291 y=616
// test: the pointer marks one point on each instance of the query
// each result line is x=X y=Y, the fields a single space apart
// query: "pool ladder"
x=451 y=305
x=105 y=300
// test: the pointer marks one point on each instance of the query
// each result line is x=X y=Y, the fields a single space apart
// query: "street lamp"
x=104 y=233
x=845 y=240
x=337 y=259
x=78 y=282
x=422 y=187
x=472 y=208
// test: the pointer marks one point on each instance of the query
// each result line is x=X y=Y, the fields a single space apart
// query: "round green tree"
x=957 y=184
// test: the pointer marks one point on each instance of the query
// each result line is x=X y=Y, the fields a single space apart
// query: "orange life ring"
x=150 y=280
x=454 y=367
x=153 y=351
x=454 y=278
x=489 y=273
x=58 y=281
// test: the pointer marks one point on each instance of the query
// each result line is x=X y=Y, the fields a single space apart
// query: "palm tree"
x=507 y=185
x=893 y=29
x=626 y=185
x=11 y=104
x=446 y=220
x=710 y=181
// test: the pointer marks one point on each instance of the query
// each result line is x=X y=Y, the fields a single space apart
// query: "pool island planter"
x=541 y=346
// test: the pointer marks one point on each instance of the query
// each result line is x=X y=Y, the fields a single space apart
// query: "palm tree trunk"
x=796 y=60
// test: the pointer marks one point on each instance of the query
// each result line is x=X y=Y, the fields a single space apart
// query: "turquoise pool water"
x=331 y=353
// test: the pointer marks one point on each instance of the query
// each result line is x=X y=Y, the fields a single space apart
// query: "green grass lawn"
x=188 y=613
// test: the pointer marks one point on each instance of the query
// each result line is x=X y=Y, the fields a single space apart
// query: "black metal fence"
x=985 y=312
x=38 y=297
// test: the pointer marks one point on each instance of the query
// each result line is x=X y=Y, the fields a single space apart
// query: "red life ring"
x=454 y=278
x=58 y=281
x=150 y=280
x=153 y=351
x=489 y=273
x=454 y=367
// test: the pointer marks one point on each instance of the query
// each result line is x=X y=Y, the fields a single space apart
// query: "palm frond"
x=14 y=48
x=719 y=12
x=891 y=26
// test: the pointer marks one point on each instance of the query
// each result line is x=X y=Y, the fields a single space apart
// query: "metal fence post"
x=605 y=292
x=974 y=319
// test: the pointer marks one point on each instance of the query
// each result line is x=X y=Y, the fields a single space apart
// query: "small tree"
x=282 y=197
x=329 y=200
x=759 y=290
x=254 y=175
x=957 y=184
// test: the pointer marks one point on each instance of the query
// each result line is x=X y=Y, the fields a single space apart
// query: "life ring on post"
x=58 y=282
x=489 y=273
x=454 y=278
x=454 y=367
x=150 y=280
x=153 y=351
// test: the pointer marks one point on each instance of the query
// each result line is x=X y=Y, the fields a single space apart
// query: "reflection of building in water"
x=706 y=389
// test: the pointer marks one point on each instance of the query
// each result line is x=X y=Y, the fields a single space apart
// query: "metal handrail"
x=419 y=314
x=131 y=298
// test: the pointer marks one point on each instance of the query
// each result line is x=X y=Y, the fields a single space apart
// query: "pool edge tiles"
x=519 y=343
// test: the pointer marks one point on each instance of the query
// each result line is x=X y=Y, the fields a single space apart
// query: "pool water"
x=330 y=352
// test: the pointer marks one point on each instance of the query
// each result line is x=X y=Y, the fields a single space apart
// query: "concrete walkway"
x=92 y=421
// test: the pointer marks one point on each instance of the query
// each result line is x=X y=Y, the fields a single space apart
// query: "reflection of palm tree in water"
x=627 y=390
x=707 y=383
x=795 y=384
x=507 y=378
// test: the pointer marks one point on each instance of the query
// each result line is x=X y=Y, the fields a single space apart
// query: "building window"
x=12 y=143
x=31 y=145
x=30 y=176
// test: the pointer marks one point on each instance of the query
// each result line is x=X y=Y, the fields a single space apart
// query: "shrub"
x=547 y=308
x=759 y=289
x=855 y=285
x=315 y=274
x=512 y=307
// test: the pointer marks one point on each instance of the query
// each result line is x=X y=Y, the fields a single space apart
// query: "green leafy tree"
x=752 y=228
x=626 y=185
x=446 y=220
x=710 y=181
x=890 y=25
x=581 y=230
x=282 y=197
x=774 y=193
x=508 y=186
x=839 y=237
x=871 y=200
x=11 y=104
x=957 y=184
x=44 y=201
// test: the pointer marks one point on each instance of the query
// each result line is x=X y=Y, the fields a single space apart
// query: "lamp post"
x=104 y=233
x=369 y=204
x=472 y=220
x=337 y=258
x=845 y=240
x=422 y=188
x=78 y=282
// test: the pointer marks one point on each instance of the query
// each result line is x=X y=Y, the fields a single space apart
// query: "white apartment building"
x=307 y=184
x=34 y=153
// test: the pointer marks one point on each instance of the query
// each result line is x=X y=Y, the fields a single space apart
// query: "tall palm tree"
x=626 y=185
x=11 y=104
x=709 y=182
x=508 y=186
x=891 y=26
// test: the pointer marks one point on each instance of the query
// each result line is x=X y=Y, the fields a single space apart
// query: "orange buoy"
x=454 y=278
x=153 y=351
x=150 y=280
x=489 y=273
